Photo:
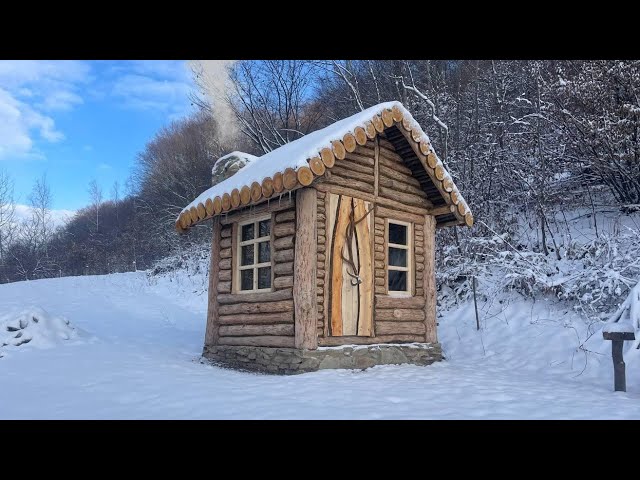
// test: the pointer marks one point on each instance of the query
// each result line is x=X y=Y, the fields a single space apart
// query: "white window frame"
x=254 y=266
x=409 y=268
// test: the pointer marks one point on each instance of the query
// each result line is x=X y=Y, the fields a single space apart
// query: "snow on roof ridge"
x=291 y=164
x=236 y=153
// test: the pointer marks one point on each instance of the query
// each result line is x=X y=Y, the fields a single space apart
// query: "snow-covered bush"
x=595 y=275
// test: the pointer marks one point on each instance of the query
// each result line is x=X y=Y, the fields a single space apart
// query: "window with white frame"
x=254 y=255
x=398 y=257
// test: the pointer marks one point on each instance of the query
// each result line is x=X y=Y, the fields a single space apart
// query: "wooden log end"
x=267 y=187
x=305 y=176
x=468 y=219
x=407 y=124
x=278 y=185
x=193 y=214
x=397 y=114
x=328 y=157
x=370 y=130
x=349 y=142
x=208 y=205
x=289 y=179
x=235 y=198
x=387 y=117
x=377 y=123
x=439 y=170
x=226 y=202
x=202 y=211
x=245 y=195
x=217 y=205
x=316 y=166
x=360 y=135
x=256 y=191
x=424 y=148
x=432 y=160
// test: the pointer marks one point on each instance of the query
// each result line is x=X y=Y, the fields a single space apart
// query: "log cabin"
x=323 y=250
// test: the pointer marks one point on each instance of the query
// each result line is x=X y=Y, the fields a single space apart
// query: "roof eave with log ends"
x=290 y=179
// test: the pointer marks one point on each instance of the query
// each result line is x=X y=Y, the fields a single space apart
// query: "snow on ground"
x=140 y=359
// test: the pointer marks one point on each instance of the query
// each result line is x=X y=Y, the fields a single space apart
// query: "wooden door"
x=349 y=247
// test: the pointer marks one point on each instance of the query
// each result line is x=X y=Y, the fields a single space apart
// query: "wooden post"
x=429 y=278
x=304 y=270
x=213 y=322
x=617 y=341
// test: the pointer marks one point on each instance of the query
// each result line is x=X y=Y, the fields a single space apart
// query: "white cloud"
x=59 y=217
x=155 y=85
x=29 y=91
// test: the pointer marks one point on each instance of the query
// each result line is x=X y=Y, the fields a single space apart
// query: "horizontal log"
x=321 y=257
x=400 y=167
x=394 y=214
x=287 y=216
x=321 y=218
x=336 y=341
x=283 y=268
x=379 y=264
x=401 y=187
x=320 y=195
x=320 y=307
x=419 y=291
x=281 y=256
x=378 y=222
x=284 y=229
x=255 y=297
x=404 y=197
x=321 y=248
x=378 y=248
x=392 y=174
x=224 y=275
x=401 y=207
x=419 y=227
x=353 y=167
x=442 y=210
x=320 y=282
x=319 y=291
x=379 y=239
x=256 y=330
x=349 y=183
x=379 y=273
x=225 y=264
x=320 y=266
x=266 y=307
x=283 y=282
x=386 y=301
x=400 y=314
x=379 y=256
x=357 y=157
x=277 y=203
x=224 y=287
x=263 y=341
x=322 y=239
x=378 y=289
x=379 y=281
x=225 y=232
x=256 y=318
x=419 y=258
x=419 y=267
x=419 y=250
x=399 y=328
x=350 y=174
x=283 y=243
x=225 y=242
x=225 y=252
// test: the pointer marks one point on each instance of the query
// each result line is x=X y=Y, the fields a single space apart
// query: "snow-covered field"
x=131 y=349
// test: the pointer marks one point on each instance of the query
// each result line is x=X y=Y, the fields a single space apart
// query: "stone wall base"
x=287 y=361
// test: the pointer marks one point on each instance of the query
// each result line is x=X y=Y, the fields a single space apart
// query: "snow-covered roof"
x=298 y=163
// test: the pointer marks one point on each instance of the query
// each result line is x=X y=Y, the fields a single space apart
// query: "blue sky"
x=80 y=120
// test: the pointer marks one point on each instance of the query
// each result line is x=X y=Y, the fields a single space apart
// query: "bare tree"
x=95 y=194
x=7 y=215
x=40 y=200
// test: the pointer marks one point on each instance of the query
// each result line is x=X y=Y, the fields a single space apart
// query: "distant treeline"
x=523 y=139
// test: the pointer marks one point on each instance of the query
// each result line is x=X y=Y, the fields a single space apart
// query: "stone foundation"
x=287 y=361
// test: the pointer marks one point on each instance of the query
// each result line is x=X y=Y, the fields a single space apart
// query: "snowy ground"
x=135 y=354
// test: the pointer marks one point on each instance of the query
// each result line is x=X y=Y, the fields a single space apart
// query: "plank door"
x=350 y=286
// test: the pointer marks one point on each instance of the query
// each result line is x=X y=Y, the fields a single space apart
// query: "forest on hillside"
x=526 y=141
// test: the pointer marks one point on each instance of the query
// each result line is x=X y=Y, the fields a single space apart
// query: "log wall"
x=263 y=319
x=376 y=173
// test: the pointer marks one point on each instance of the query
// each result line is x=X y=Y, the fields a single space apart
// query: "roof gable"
x=300 y=162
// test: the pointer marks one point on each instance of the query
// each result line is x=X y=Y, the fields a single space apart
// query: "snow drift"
x=34 y=327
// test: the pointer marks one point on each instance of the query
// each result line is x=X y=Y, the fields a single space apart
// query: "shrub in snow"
x=33 y=327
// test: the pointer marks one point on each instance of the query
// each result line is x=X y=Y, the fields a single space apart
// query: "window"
x=254 y=255
x=399 y=257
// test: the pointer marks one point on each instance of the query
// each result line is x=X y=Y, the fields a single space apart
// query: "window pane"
x=397 y=257
x=264 y=252
x=264 y=277
x=247 y=232
x=246 y=279
x=246 y=258
x=397 y=280
x=264 y=228
x=397 y=234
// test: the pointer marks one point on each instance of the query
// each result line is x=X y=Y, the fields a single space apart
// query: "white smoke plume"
x=212 y=76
